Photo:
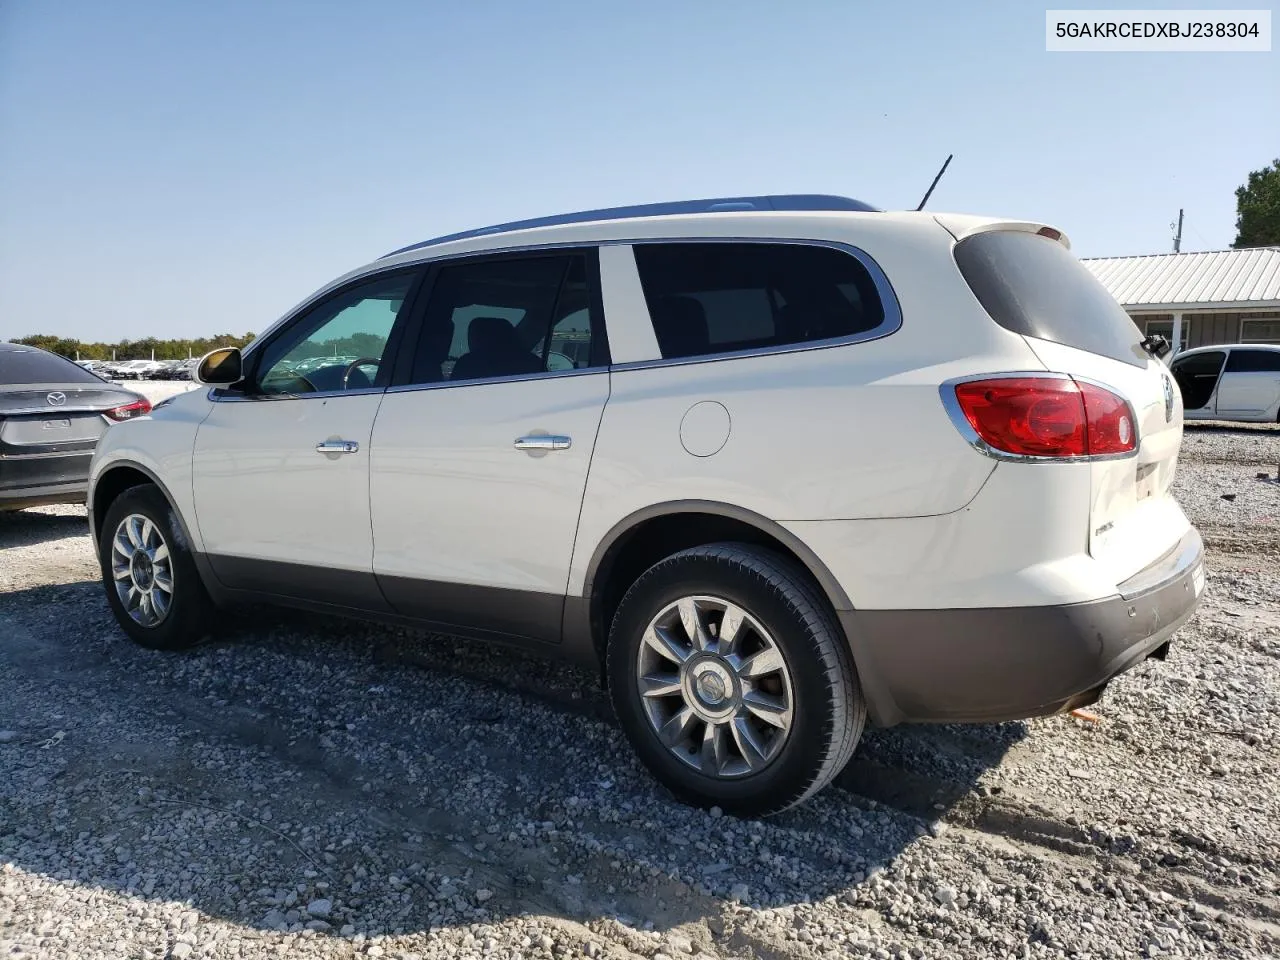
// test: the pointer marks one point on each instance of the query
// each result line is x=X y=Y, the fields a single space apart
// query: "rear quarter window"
x=1033 y=286
x=711 y=298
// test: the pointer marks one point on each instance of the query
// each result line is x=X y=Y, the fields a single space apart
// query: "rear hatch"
x=1030 y=283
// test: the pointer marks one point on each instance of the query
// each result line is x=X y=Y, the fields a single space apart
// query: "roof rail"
x=779 y=202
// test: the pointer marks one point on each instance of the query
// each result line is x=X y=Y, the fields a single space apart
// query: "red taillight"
x=1047 y=417
x=139 y=408
x=1111 y=428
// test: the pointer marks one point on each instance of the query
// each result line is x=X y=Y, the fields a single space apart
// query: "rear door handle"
x=337 y=446
x=544 y=442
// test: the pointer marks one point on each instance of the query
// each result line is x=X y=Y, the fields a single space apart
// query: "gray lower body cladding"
x=989 y=665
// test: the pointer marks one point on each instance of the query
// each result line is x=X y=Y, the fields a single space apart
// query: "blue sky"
x=187 y=168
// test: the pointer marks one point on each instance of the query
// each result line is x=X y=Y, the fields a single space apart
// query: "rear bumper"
x=1008 y=663
x=16 y=499
x=34 y=480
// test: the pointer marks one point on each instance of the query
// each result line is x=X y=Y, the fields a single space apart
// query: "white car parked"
x=773 y=464
x=131 y=369
x=1238 y=381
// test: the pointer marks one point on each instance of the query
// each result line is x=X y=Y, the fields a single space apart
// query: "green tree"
x=1258 y=209
x=175 y=349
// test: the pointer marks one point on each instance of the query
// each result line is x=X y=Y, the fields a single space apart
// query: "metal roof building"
x=1196 y=299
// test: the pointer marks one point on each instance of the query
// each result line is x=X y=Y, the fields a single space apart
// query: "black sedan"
x=51 y=415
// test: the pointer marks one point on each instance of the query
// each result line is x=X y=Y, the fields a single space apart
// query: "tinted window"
x=338 y=345
x=1199 y=363
x=715 y=297
x=504 y=318
x=30 y=365
x=1034 y=286
x=1253 y=361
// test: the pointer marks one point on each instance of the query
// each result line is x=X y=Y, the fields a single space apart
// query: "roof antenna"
x=928 y=193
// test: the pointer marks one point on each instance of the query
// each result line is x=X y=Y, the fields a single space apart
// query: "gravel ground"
x=311 y=788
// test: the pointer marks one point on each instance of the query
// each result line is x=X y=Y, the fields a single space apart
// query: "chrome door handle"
x=337 y=446
x=544 y=442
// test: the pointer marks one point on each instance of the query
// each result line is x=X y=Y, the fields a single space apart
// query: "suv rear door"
x=1250 y=385
x=481 y=448
x=1031 y=284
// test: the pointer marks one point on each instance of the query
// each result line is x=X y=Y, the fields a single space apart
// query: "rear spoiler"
x=960 y=225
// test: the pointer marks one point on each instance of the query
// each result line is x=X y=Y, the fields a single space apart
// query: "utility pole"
x=1177 y=237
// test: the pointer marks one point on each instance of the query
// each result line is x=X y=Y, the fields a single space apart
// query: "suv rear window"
x=32 y=365
x=1033 y=286
x=708 y=298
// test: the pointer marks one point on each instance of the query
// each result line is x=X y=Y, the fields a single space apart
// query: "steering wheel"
x=346 y=374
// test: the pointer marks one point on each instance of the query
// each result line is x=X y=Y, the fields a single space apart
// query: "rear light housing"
x=139 y=408
x=1042 y=417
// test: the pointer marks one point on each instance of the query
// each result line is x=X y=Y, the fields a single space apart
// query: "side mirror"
x=221 y=367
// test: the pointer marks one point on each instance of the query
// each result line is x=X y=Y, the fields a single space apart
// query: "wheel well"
x=652 y=540
x=109 y=486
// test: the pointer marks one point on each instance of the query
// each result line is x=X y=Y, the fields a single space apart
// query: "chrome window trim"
x=950 y=403
x=213 y=395
x=890 y=325
x=480 y=381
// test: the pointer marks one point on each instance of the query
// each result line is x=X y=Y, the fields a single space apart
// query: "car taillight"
x=1047 y=417
x=1110 y=420
x=139 y=408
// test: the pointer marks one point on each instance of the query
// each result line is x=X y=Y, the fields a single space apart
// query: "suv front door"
x=1197 y=377
x=281 y=464
x=481 y=449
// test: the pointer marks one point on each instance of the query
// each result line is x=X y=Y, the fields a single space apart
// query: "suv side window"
x=506 y=317
x=707 y=298
x=1253 y=361
x=339 y=344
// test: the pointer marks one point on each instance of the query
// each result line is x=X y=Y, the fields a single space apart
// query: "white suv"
x=773 y=464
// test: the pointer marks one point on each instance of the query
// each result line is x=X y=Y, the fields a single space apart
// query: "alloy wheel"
x=142 y=569
x=715 y=686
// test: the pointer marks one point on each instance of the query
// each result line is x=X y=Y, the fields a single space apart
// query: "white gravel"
x=310 y=788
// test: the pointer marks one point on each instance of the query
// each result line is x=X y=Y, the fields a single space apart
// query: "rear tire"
x=750 y=699
x=152 y=584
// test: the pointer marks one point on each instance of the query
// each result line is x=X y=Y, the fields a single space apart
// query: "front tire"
x=152 y=585
x=733 y=680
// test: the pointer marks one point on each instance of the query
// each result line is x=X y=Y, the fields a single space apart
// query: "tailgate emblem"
x=1168 y=399
x=57 y=399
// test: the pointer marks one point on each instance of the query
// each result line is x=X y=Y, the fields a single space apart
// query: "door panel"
x=280 y=472
x=480 y=454
x=454 y=502
x=264 y=493
x=1250 y=385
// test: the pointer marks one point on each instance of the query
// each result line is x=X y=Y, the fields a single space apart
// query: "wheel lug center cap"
x=142 y=572
x=711 y=688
